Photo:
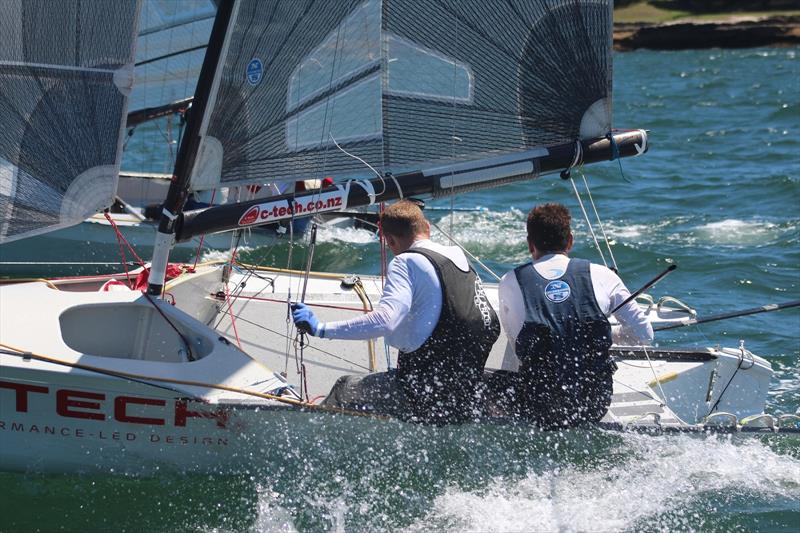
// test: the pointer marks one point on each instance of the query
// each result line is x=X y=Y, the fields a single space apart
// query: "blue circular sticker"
x=255 y=70
x=557 y=291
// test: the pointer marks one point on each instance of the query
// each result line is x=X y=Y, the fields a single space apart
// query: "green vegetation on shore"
x=659 y=11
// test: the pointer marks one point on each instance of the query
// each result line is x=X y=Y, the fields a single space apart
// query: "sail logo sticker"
x=301 y=206
x=250 y=217
x=557 y=291
x=255 y=71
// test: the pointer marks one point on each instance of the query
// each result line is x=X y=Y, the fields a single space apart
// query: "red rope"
x=203 y=236
x=120 y=240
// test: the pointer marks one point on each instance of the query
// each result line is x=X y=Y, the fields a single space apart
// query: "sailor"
x=434 y=311
x=554 y=313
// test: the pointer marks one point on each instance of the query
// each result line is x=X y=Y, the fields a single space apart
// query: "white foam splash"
x=345 y=234
x=665 y=475
x=271 y=516
x=222 y=255
x=488 y=231
x=738 y=232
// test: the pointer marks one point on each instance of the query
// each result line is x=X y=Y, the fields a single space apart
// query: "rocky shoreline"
x=742 y=33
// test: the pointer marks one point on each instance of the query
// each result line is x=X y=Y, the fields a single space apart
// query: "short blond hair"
x=403 y=219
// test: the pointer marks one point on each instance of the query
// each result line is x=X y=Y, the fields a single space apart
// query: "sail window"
x=417 y=71
x=351 y=49
x=352 y=114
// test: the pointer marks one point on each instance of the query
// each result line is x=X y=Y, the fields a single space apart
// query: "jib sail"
x=65 y=70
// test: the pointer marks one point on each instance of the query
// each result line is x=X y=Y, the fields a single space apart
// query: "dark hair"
x=403 y=219
x=549 y=227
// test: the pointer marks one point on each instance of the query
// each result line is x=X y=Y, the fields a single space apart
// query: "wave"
x=741 y=233
x=662 y=477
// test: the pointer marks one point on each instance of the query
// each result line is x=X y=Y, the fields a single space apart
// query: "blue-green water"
x=718 y=194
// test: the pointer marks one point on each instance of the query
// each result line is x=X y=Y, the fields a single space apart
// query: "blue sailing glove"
x=304 y=319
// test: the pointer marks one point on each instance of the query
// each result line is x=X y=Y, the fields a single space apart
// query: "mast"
x=187 y=152
x=441 y=181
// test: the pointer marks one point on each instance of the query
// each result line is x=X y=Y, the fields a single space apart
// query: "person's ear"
x=570 y=242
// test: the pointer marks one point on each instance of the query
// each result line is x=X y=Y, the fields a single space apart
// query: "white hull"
x=120 y=393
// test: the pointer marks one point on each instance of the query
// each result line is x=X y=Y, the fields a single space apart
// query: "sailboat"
x=391 y=99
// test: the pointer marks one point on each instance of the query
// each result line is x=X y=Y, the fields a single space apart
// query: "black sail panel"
x=510 y=76
x=347 y=88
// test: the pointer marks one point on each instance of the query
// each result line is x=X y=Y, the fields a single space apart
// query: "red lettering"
x=22 y=391
x=64 y=404
x=264 y=215
x=282 y=211
x=121 y=406
x=319 y=205
x=338 y=203
x=182 y=413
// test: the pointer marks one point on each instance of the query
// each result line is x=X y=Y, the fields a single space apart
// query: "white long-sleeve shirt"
x=609 y=291
x=411 y=303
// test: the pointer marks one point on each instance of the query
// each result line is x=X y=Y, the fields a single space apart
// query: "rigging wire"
x=588 y=222
x=599 y=222
x=486 y=268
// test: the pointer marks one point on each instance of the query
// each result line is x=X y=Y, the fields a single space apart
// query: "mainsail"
x=66 y=68
x=313 y=88
x=170 y=48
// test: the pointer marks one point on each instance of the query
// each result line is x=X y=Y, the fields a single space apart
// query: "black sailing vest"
x=563 y=348
x=442 y=378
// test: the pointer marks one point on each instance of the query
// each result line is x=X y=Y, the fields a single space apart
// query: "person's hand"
x=304 y=319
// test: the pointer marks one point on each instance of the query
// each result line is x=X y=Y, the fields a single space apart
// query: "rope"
x=230 y=313
x=121 y=239
x=736 y=371
x=203 y=236
x=189 y=354
x=320 y=350
x=658 y=381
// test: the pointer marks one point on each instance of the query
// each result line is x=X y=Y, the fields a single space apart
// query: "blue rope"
x=615 y=155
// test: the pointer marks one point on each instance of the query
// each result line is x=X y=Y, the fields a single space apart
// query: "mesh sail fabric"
x=64 y=69
x=403 y=85
x=173 y=35
x=170 y=48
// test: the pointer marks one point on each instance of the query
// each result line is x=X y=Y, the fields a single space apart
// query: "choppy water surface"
x=718 y=194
